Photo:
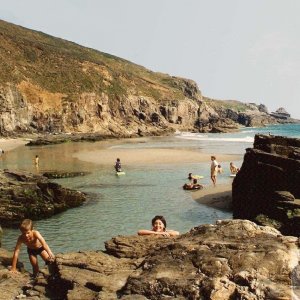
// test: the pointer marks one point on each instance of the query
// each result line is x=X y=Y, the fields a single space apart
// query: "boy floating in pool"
x=159 y=226
x=36 y=245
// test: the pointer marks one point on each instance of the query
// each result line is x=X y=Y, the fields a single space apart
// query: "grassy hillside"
x=228 y=104
x=61 y=66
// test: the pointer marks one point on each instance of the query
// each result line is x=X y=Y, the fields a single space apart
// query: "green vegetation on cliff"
x=227 y=104
x=57 y=65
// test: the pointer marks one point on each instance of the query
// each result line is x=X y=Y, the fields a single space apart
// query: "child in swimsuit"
x=36 y=245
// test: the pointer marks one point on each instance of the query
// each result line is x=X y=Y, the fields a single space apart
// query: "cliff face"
x=52 y=85
x=267 y=188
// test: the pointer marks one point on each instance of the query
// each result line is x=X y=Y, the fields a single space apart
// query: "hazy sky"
x=247 y=50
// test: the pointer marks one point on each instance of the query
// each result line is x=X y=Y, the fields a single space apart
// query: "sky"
x=246 y=50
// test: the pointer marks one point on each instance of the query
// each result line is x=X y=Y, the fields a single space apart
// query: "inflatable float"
x=120 y=173
x=197 y=176
x=196 y=186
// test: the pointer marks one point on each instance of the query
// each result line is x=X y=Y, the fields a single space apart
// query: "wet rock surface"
x=63 y=174
x=26 y=195
x=267 y=188
x=234 y=259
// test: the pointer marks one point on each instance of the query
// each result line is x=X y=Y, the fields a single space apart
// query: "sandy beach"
x=149 y=156
x=10 y=144
x=218 y=196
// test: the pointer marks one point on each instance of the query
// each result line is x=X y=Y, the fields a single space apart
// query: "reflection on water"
x=117 y=205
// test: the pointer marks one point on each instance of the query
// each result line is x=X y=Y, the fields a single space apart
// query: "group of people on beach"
x=215 y=169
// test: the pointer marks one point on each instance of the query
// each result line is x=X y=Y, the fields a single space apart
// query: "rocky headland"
x=50 y=85
x=267 y=188
x=233 y=259
x=26 y=195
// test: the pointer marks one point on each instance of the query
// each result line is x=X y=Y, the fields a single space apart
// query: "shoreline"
x=8 y=144
x=219 y=196
x=108 y=156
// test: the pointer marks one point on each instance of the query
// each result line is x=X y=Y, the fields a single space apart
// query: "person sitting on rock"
x=233 y=168
x=159 y=226
x=118 y=167
x=36 y=245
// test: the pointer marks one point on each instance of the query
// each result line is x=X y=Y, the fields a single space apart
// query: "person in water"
x=118 y=167
x=193 y=185
x=220 y=169
x=36 y=245
x=37 y=160
x=159 y=226
x=233 y=168
x=214 y=170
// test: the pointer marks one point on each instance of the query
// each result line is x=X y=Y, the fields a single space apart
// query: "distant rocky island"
x=52 y=86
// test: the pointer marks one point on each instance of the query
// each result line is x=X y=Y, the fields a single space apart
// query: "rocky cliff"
x=49 y=85
x=267 y=188
x=233 y=259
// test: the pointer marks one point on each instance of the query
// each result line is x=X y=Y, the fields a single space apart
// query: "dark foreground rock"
x=234 y=259
x=25 y=195
x=267 y=188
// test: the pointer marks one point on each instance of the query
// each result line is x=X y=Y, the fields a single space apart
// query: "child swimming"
x=159 y=226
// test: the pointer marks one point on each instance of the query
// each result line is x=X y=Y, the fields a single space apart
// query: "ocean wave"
x=199 y=137
x=190 y=134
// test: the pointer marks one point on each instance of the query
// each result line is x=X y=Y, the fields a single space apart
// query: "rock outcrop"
x=233 y=259
x=267 y=188
x=25 y=195
x=281 y=113
x=63 y=174
x=11 y=286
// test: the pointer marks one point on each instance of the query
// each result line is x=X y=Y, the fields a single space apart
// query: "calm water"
x=122 y=205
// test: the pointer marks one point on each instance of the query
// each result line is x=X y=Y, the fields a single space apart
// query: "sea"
x=121 y=205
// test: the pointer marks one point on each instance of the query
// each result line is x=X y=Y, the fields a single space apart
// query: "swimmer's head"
x=159 y=223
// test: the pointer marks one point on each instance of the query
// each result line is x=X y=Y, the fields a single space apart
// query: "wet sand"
x=149 y=156
x=10 y=144
x=219 y=196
